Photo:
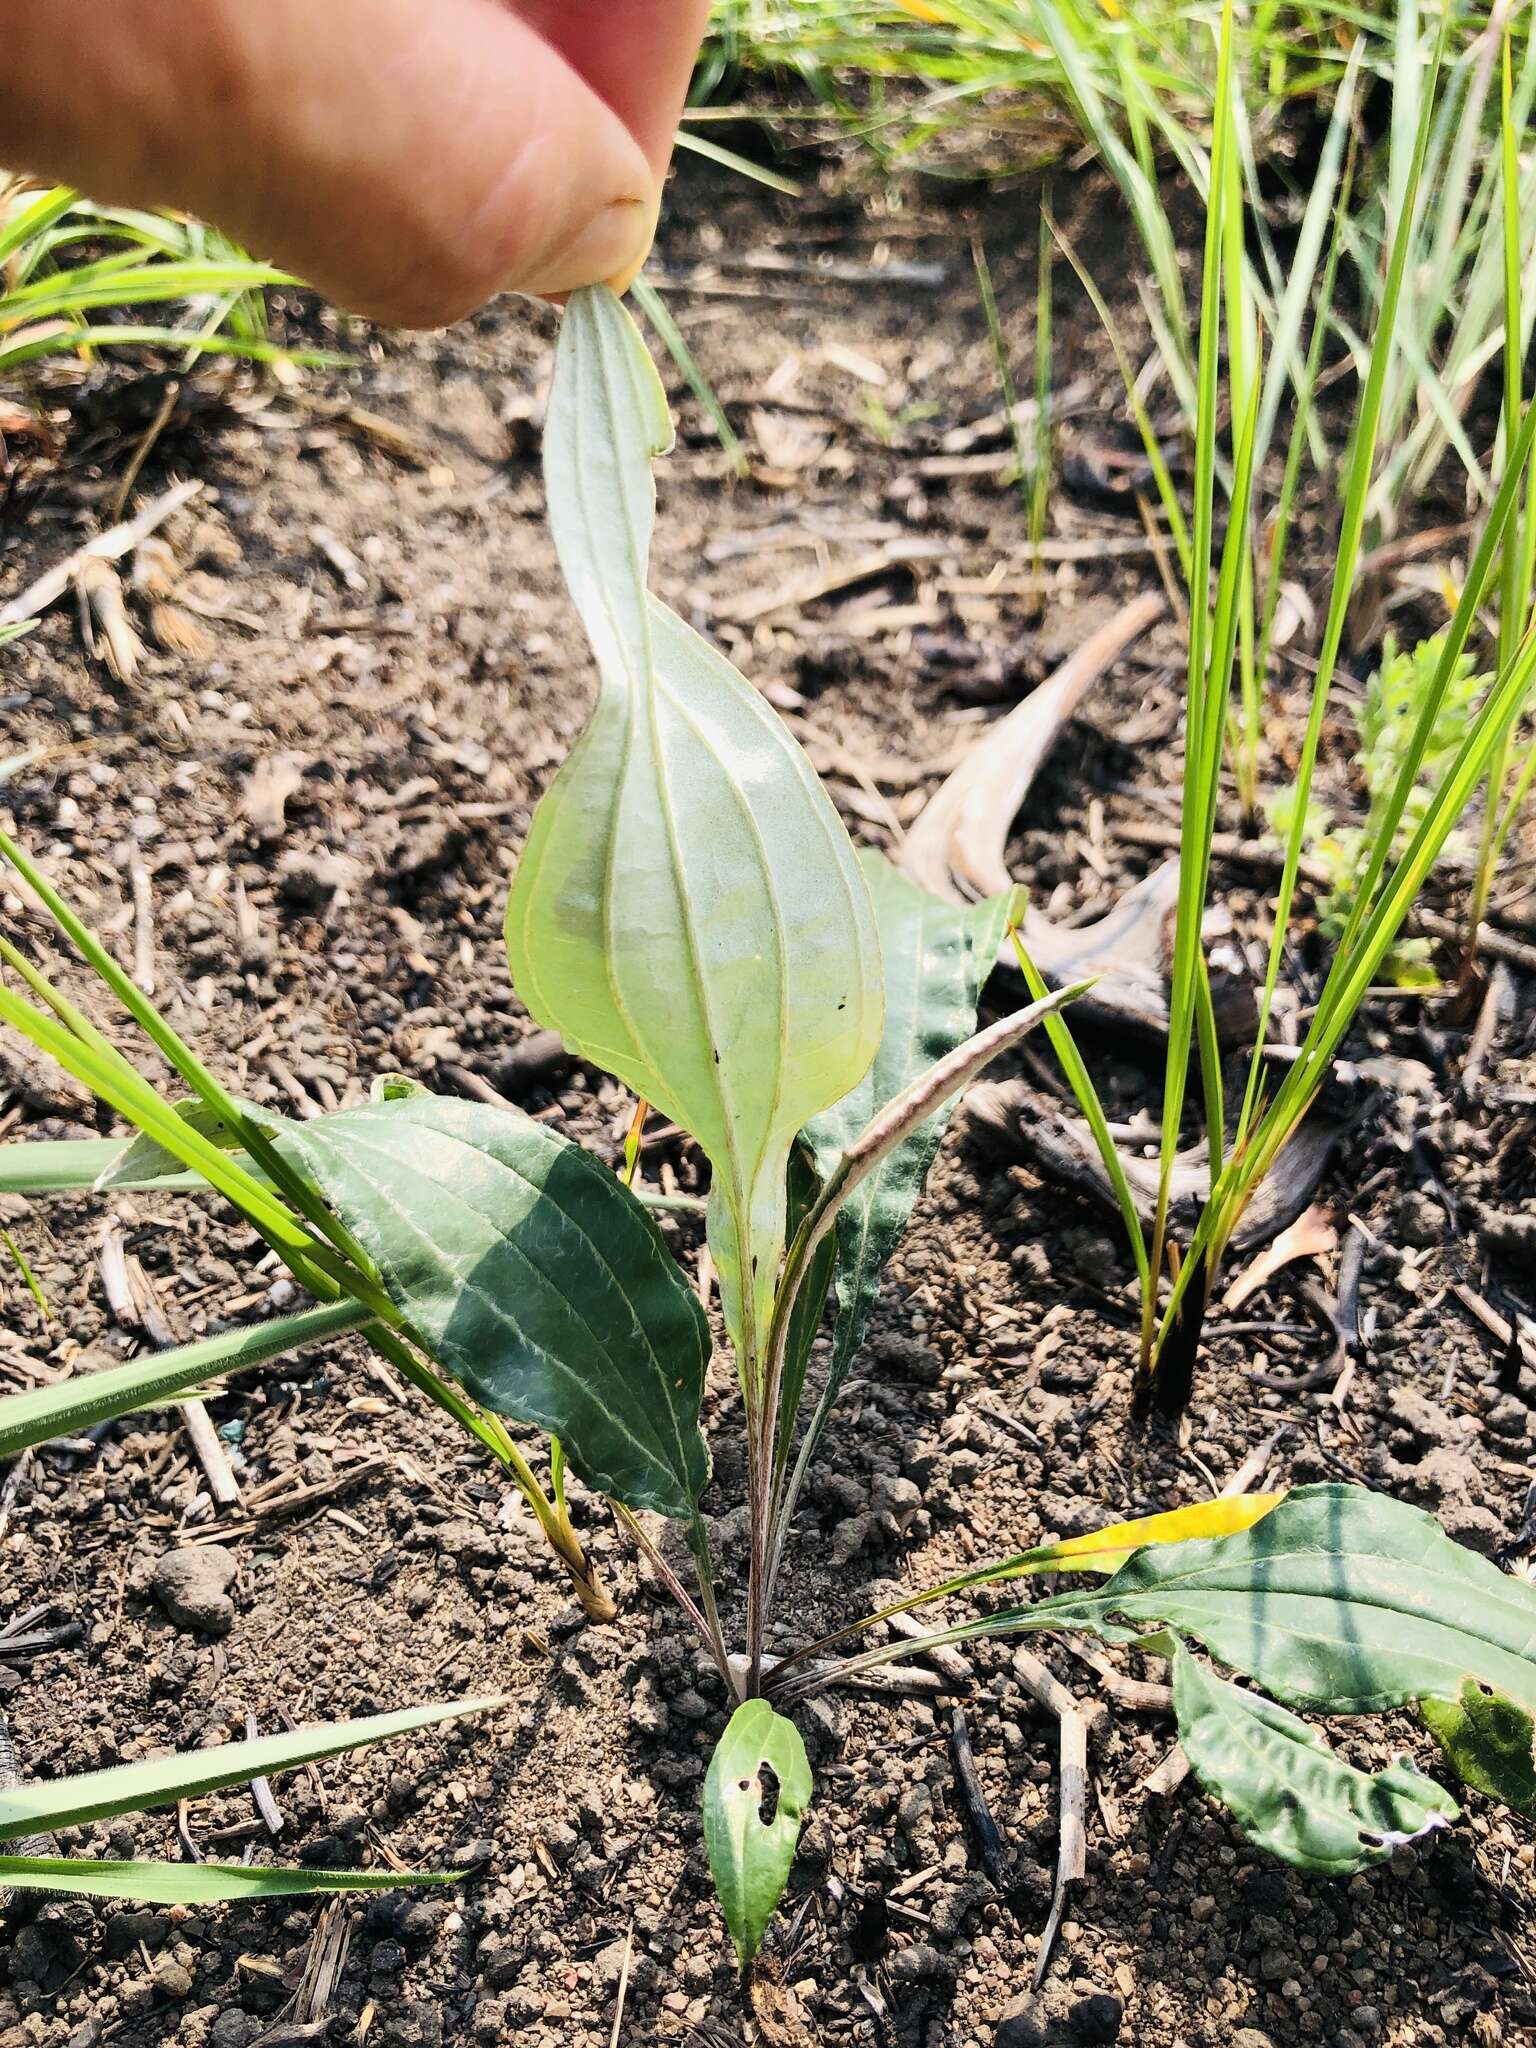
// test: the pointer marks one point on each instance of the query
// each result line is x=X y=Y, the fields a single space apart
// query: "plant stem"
x=674 y=1586
x=703 y=1564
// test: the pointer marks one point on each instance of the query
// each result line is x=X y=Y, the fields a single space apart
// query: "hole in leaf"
x=768 y=1804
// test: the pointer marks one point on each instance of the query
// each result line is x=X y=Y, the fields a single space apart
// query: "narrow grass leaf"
x=42 y=1805
x=197 y=1884
x=68 y=1407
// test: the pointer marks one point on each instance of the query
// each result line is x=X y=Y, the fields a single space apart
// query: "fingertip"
x=609 y=248
x=621 y=279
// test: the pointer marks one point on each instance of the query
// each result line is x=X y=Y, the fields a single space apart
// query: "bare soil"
x=305 y=831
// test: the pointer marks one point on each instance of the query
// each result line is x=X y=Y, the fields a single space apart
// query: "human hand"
x=410 y=158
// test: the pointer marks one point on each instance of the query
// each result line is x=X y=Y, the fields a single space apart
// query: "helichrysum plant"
x=688 y=912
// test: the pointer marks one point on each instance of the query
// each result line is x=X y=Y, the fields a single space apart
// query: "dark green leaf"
x=1345 y=1601
x=532 y=1276
x=759 y=1762
x=937 y=957
x=1489 y=1740
x=1287 y=1790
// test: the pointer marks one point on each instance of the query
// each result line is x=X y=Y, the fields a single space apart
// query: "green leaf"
x=937 y=958
x=38 y=1806
x=1287 y=1790
x=1345 y=1601
x=195 y=1884
x=143 y=1160
x=1490 y=1740
x=749 y=1859
x=533 y=1277
x=68 y=1406
x=49 y=1166
x=687 y=911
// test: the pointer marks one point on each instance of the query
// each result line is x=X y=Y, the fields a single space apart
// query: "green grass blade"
x=1168 y=496
x=1300 y=296
x=656 y=310
x=33 y=220
x=1360 y=956
x=14 y=353
x=1141 y=193
x=197 y=1884
x=1514 y=593
x=1203 y=722
x=1002 y=366
x=1080 y=1081
x=743 y=166
x=1359 y=465
x=138 y=1103
x=180 y=1055
x=112 y=282
x=67 y=1407
x=1040 y=479
x=41 y=1805
x=28 y=1277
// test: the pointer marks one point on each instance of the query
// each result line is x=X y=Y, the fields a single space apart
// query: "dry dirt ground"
x=304 y=829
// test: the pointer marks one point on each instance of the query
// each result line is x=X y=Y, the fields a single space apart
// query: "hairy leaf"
x=195 y=1884
x=687 y=911
x=759 y=1761
x=936 y=956
x=1342 y=1600
x=43 y=1804
x=1287 y=1790
x=533 y=1276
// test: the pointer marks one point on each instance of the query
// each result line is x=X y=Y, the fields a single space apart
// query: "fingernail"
x=614 y=243
x=622 y=279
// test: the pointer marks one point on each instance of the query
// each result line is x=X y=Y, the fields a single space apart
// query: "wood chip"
x=110 y=546
x=1042 y=1684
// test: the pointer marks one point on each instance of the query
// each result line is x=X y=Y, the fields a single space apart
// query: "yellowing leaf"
x=1105 y=1550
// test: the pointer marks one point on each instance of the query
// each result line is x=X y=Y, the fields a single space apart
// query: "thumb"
x=409 y=161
